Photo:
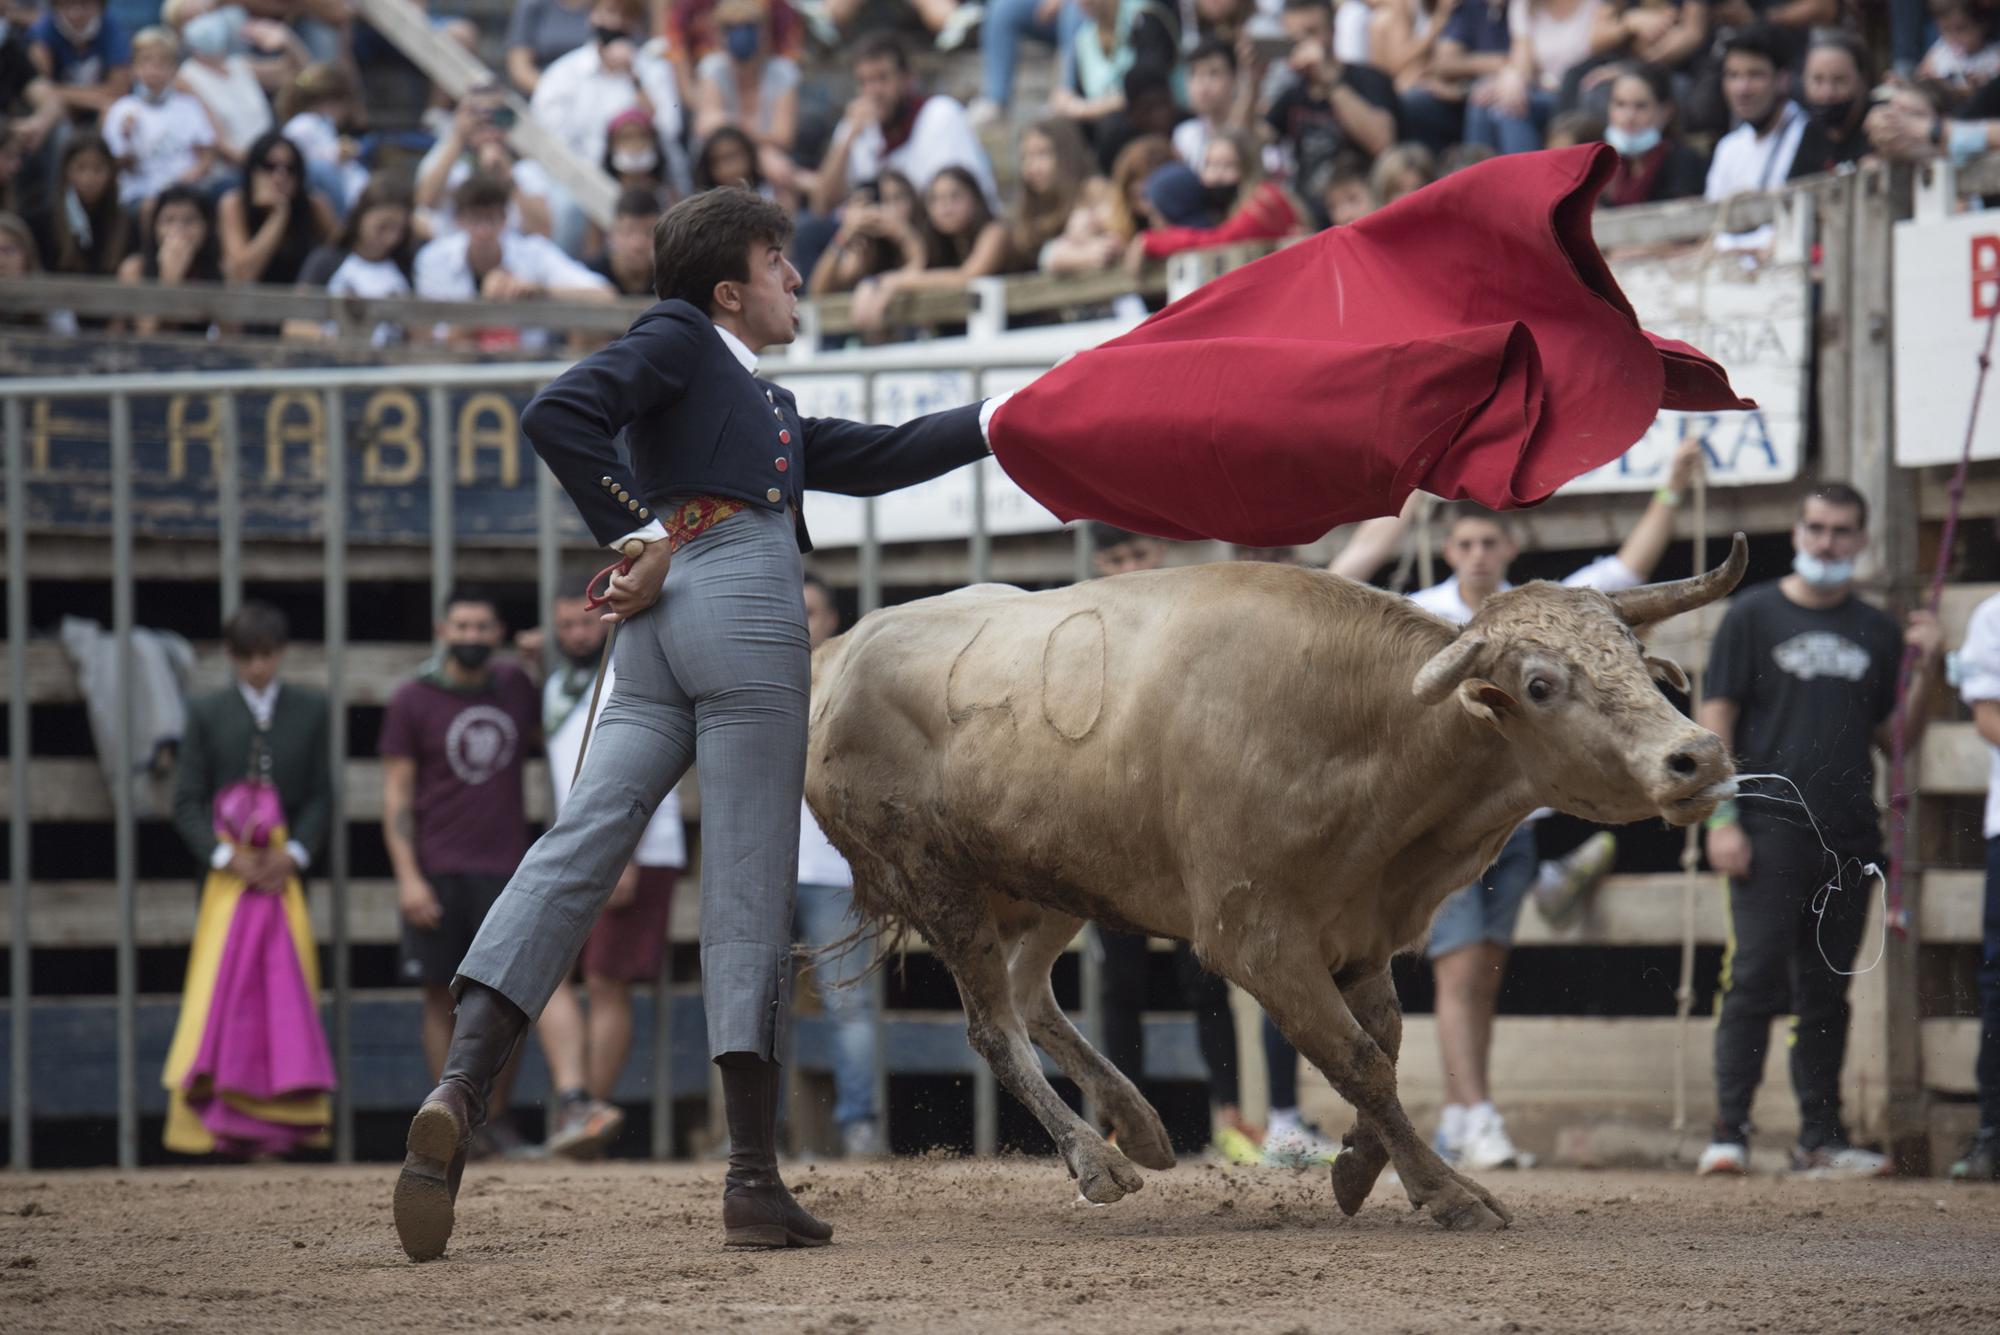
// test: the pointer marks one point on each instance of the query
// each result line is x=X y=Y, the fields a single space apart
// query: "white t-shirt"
x=234 y=98
x=942 y=137
x=1979 y=673
x=820 y=862
x=577 y=97
x=442 y=274
x=664 y=844
x=529 y=176
x=1558 y=44
x=370 y=279
x=159 y=137
x=1744 y=163
x=1191 y=140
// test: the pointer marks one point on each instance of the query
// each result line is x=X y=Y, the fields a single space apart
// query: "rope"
x=1896 y=912
x=1690 y=850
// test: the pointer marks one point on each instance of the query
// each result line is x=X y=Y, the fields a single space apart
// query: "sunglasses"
x=279 y=167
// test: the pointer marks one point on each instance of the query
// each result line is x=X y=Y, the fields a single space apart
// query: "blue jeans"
x=1510 y=134
x=1007 y=23
x=823 y=919
x=1989 y=995
x=1487 y=909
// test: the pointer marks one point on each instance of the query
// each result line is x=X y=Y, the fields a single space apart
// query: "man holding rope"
x=716 y=666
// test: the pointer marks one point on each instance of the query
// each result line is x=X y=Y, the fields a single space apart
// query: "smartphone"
x=502 y=117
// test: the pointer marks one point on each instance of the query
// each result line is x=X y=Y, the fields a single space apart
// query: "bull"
x=1286 y=769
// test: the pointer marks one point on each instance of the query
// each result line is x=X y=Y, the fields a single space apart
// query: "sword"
x=591 y=602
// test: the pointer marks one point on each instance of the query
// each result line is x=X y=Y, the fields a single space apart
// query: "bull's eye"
x=1540 y=689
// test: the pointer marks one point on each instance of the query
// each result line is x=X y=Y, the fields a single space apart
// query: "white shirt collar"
x=262 y=703
x=739 y=350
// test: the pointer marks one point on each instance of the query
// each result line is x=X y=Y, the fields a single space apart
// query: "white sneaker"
x=1723 y=1158
x=1839 y=1160
x=960 y=24
x=984 y=111
x=1298 y=1146
x=1486 y=1144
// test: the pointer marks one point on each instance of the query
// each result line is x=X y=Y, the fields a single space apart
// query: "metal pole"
x=663 y=1059
x=334 y=594
x=229 y=506
x=982 y=542
x=20 y=1105
x=442 y=483
x=871 y=546
x=126 y=831
x=1086 y=547
x=985 y=1110
x=548 y=558
x=1090 y=977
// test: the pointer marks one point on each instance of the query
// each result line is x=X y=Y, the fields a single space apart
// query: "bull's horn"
x=1446 y=669
x=1650 y=603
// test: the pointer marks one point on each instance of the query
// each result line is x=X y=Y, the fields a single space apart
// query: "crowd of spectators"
x=196 y=141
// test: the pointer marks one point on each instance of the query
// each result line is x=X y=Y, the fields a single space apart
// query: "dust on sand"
x=939 y=1244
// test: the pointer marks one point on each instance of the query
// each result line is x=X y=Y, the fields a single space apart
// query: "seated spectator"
x=1055 y=171
x=750 y=85
x=86 y=53
x=1403 y=35
x=964 y=240
x=322 y=25
x=1251 y=205
x=1658 y=32
x=180 y=246
x=1327 y=106
x=160 y=135
x=891 y=125
x=1548 y=38
x=1472 y=46
x=1101 y=228
x=695 y=31
x=1567 y=129
x=1007 y=25
x=540 y=33
x=271 y=222
x=1344 y=190
x=486 y=260
x=1966 y=54
x=1654 y=162
x=370 y=257
x=627 y=261
x=18 y=260
x=578 y=95
x=11 y=165
x=1212 y=98
x=316 y=111
x=1401 y=170
x=1757 y=155
x=879 y=232
x=729 y=157
x=1460 y=156
x=633 y=157
x=85 y=231
x=477 y=142
x=949 y=22
x=1118 y=41
x=1837 y=83
x=235 y=86
x=30 y=104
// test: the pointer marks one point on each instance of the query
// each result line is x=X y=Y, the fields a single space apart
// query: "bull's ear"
x=1668 y=671
x=1485 y=701
x=1447 y=668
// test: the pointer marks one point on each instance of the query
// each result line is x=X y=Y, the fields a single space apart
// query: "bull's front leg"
x=1371 y=996
x=1300 y=995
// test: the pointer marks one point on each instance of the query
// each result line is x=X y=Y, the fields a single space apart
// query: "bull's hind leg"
x=1363 y=1156
x=968 y=940
x=1141 y=1135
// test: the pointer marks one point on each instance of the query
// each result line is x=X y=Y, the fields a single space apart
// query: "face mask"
x=1831 y=115
x=87 y=33
x=634 y=160
x=606 y=36
x=151 y=97
x=471 y=657
x=1218 y=199
x=208 y=34
x=741 y=39
x=584 y=662
x=1822 y=574
x=1632 y=143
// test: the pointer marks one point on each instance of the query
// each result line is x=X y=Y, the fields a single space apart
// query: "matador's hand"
x=638 y=589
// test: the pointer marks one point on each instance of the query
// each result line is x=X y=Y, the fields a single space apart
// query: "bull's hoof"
x=1143 y=1139
x=1104 y=1175
x=1464 y=1206
x=1355 y=1171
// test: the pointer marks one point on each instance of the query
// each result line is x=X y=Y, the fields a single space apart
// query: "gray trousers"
x=718 y=671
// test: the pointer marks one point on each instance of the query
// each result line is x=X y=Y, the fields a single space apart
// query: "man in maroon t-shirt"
x=453 y=816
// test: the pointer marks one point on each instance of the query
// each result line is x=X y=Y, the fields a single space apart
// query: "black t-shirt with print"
x=1308 y=126
x=1811 y=686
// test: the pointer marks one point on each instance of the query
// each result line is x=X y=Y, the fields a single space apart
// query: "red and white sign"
x=1947 y=289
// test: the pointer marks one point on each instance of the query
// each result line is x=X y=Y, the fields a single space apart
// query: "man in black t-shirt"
x=1802 y=682
x=1328 y=106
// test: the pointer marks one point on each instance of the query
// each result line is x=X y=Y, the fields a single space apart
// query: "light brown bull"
x=1287 y=769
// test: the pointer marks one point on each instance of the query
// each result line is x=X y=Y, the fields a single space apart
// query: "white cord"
x=1825 y=892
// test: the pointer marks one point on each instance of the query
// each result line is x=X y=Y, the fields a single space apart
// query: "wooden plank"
x=1957 y=607
x=1956 y=760
x=1951 y=1054
x=71 y=788
x=1952 y=909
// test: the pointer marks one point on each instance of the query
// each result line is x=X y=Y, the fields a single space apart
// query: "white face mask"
x=87 y=33
x=1822 y=574
x=635 y=160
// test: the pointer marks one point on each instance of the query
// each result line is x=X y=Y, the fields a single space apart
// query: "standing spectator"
x=1757 y=155
x=748 y=84
x=540 y=33
x=271 y=222
x=1008 y=23
x=1472 y=47
x=315 y=112
x=1055 y=172
x=893 y=126
x=578 y=95
x=160 y=135
x=878 y=233
x=86 y=53
x=454 y=741
x=84 y=230
x=1101 y=228
x=1837 y=83
x=1327 y=106
x=1790 y=656
x=1966 y=54
x=627 y=261
x=253 y=795
x=629 y=943
x=180 y=247
x=1251 y=205
x=477 y=142
x=1548 y=39
x=370 y=257
x=486 y=260
x=1654 y=162
x=1978 y=663
x=1118 y=42
x=825 y=916
x=964 y=241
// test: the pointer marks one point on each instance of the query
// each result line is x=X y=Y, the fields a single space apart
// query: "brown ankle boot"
x=757 y=1210
x=486 y=1030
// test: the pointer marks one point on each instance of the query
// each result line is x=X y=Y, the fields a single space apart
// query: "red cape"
x=1468 y=340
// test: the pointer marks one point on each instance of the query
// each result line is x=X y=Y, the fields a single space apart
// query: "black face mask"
x=1831 y=115
x=584 y=662
x=471 y=657
x=1218 y=199
x=606 y=36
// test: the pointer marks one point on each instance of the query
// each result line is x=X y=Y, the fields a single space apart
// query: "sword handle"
x=622 y=566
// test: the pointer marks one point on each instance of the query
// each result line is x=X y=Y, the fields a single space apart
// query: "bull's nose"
x=1696 y=757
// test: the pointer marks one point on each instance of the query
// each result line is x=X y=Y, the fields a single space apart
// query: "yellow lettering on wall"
x=487 y=422
x=207 y=429
x=294 y=418
x=391 y=419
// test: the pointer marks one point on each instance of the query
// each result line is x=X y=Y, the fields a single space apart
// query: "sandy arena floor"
x=938 y=1244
